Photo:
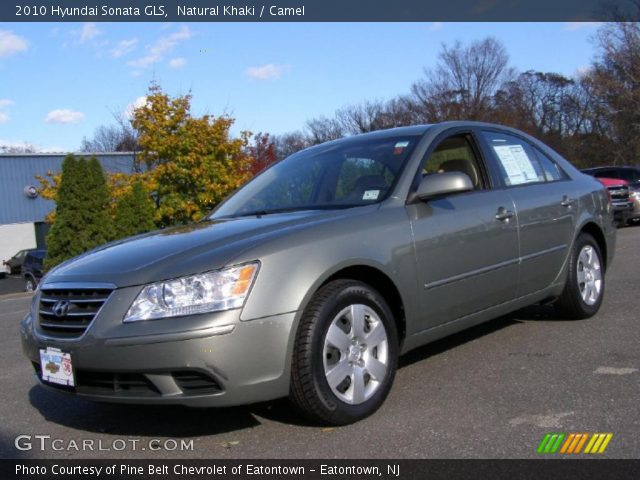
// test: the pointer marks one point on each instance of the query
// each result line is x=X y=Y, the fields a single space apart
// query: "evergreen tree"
x=99 y=227
x=134 y=212
x=82 y=219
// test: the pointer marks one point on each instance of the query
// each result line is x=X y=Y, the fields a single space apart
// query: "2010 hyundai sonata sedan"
x=315 y=276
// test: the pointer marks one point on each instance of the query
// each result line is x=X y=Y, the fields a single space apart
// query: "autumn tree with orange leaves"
x=189 y=163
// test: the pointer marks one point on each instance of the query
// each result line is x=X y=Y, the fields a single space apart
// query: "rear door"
x=466 y=244
x=545 y=201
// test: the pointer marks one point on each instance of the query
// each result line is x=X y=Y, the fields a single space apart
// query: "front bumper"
x=622 y=211
x=635 y=212
x=201 y=361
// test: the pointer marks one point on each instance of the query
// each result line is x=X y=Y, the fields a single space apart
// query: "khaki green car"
x=312 y=279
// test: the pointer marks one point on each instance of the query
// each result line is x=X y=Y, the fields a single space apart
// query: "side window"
x=551 y=170
x=516 y=159
x=455 y=154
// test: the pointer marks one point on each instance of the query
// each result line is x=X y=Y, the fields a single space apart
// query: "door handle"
x=504 y=214
x=567 y=202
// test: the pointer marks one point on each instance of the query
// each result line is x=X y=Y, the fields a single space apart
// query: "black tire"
x=571 y=303
x=310 y=391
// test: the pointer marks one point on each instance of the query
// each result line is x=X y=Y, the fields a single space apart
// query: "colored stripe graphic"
x=598 y=442
x=573 y=443
x=594 y=437
x=607 y=439
x=550 y=443
x=567 y=443
x=581 y=443
x=555 y=447
x=543 y=443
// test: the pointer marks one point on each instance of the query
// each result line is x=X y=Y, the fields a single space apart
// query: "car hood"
x=612 y=182
x=179 y=251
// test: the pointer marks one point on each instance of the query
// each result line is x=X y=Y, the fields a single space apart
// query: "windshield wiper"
x=260 y=213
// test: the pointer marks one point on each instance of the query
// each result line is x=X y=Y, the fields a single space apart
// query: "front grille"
x=619 y=193
x=193 y=382
x=67 y=313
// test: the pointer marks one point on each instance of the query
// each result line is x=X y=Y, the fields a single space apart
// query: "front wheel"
x=345 y=354
x=583 y=292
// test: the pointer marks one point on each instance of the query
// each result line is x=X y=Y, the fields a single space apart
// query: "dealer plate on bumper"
x=56 y=367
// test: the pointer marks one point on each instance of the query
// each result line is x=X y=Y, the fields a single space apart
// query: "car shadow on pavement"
x=531 y=313
x=455 y=340
x=140 y=420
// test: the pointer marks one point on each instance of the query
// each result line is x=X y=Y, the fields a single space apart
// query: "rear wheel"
x=29 y=285
x=345 y=354
x=583 y=292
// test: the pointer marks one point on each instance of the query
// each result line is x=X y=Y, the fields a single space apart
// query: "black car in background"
x=32 y=269
x=14 y=264
x=631 y=175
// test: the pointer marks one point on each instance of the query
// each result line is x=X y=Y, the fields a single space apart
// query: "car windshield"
x=342 y=174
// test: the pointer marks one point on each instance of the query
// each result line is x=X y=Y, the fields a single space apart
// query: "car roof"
x=416 y=130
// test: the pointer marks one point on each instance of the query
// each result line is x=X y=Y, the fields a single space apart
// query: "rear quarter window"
x=552 y=171
x=516 y=159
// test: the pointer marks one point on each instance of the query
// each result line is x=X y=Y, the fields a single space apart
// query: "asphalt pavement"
x=11 y=284
x=491 y=392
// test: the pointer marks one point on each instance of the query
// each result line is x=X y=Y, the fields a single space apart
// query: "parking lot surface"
x=11 y=284
x=491 y=392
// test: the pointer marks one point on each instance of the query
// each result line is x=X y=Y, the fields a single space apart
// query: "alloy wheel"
x=589 y=275
x=355 y=354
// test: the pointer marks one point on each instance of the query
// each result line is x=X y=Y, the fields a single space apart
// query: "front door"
x=466 y=244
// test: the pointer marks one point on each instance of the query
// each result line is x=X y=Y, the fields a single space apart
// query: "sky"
x=60 y=81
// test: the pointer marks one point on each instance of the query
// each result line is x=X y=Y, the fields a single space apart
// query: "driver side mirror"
x=443 y=184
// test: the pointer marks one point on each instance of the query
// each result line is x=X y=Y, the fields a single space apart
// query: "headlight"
x=206 y=292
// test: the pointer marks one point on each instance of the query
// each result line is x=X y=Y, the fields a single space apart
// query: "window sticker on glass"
x=371 y=195
x=516 y=164
x=399 y=148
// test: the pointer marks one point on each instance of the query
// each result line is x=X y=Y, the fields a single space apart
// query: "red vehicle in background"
x=620 y=198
